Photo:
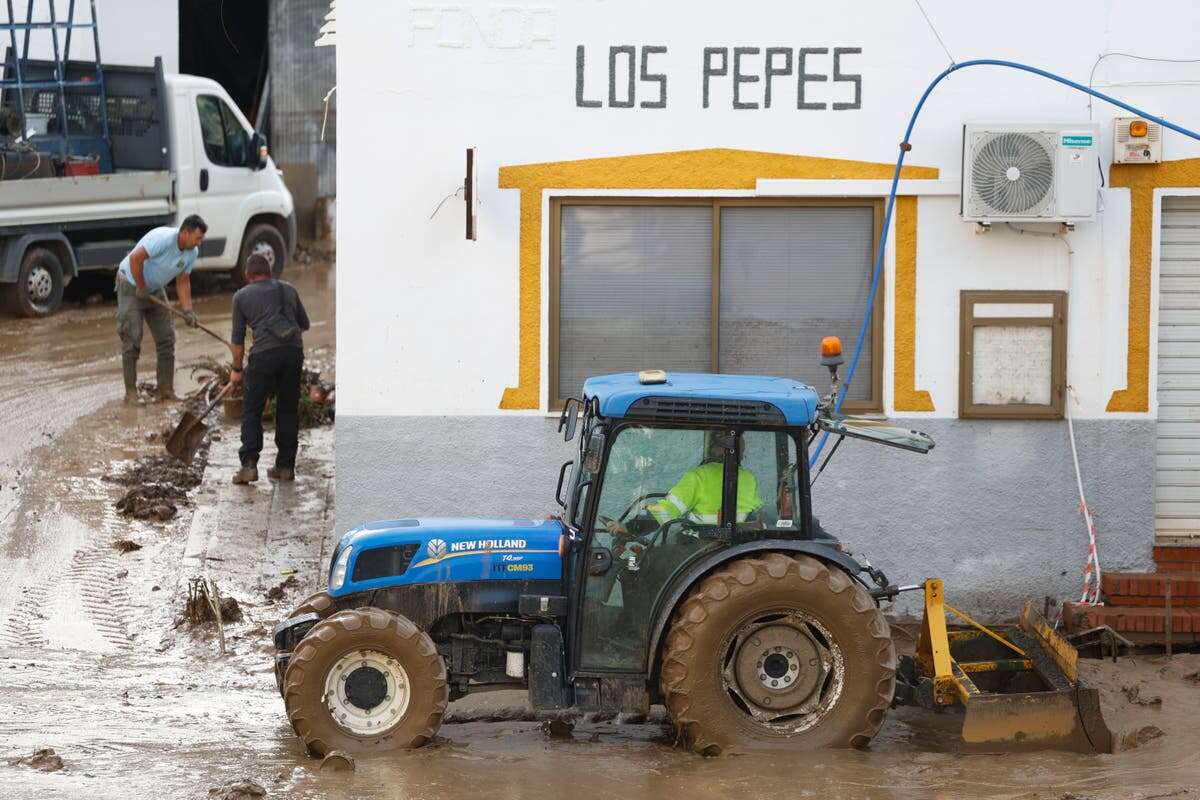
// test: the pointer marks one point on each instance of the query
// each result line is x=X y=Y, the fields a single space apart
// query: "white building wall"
x=420 y=82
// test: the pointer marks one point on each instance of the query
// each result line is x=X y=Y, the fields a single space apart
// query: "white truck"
x=177 y=145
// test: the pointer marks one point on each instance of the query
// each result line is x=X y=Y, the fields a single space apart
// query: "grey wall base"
x=993 y=509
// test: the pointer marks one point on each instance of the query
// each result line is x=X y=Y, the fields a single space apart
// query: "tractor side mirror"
x=569 y=419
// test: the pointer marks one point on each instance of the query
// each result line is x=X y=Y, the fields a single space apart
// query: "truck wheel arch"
x=687 y=579
x=14 y=249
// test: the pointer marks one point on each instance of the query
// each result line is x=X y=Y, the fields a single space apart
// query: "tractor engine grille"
x=724 y=412
x=383 y=562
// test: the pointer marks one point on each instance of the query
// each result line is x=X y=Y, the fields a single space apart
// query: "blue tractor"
x=686 y=569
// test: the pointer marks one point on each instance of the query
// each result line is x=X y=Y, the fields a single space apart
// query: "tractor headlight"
x=338 y=577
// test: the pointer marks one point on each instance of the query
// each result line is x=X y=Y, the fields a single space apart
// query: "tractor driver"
x=696 y=496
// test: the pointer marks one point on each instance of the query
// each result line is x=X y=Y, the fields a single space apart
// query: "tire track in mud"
x=23 y=626
x=105 y=598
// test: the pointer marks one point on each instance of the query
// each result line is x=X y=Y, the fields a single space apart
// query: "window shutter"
x=635 y=291
x=790 y=276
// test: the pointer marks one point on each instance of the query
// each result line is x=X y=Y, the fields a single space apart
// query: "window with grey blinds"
x=635 y=291
x=790 y=276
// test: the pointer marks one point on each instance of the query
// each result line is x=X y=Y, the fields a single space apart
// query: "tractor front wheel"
x=365 y=680
x=777 y=651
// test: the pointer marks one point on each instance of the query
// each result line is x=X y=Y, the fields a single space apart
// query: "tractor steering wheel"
x=639 y=501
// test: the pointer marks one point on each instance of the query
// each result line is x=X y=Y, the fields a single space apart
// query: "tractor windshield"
x=661 y=503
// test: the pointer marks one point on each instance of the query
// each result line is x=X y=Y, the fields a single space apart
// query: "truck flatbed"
x=90 y=198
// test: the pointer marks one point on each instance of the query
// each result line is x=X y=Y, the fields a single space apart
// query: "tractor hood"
x=401 y=552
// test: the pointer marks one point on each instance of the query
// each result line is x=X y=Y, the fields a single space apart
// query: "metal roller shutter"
x=1177 y=475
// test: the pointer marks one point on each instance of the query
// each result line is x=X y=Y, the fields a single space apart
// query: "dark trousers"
x=274 y=372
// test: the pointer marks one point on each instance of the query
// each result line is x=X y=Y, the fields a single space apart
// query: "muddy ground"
x=97 y=662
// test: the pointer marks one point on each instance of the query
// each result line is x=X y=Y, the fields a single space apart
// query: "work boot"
x=247 y=474
x=129 y=370
x=281 y=474
x=166 y=380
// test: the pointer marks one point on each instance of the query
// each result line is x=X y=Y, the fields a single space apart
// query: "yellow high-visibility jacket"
x=697 y=496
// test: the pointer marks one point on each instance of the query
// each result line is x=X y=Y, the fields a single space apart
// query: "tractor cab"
x=673 y=471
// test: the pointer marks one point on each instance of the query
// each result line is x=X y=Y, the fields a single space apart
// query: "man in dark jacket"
x=276 y=317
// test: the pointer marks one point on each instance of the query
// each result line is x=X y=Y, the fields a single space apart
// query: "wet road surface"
x=94 y=664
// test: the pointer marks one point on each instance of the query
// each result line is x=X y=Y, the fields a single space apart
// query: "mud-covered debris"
x=162 y=469
x=1133 y=694
x=337 y=761
x=1146 y=734
x=557 y=729
x=199 y=611
x=126 y=545
x=1193 y=677
x=44 y=759
x=244 y=789
x=152 y=502
x=278 y=592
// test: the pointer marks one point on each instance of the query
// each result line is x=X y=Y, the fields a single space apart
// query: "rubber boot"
x=129 y=370
x=166 y=379
x=247 y=474
x=281 y=474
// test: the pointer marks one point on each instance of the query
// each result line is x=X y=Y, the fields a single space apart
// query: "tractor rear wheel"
x=365 y=680
x=777 y=652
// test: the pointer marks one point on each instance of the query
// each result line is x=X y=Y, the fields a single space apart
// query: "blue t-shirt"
x=164 y=260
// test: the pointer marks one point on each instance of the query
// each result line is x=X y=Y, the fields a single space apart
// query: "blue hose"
x=905 y=146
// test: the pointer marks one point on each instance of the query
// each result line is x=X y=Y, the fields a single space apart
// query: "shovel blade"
x=187 y=437
x=1056 y=720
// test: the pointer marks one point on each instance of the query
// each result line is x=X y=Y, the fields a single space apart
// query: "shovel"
x=181 y=315
x=185 y=440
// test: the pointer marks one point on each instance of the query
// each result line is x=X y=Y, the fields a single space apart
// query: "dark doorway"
x=226 y=40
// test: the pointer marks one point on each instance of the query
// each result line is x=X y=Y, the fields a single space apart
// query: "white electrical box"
x=1136 y=141
x=1030 y=172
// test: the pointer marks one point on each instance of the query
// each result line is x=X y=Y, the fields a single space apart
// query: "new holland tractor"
x=686 y=569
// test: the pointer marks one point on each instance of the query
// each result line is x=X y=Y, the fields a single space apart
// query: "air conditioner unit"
x=1029 y=173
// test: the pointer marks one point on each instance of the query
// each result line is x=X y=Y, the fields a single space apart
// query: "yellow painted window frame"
x=872 y=405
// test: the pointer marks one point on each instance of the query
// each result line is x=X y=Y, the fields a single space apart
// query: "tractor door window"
x=767 y=488
x=659 y=506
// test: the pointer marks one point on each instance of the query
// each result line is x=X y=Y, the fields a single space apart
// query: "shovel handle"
x=208 y=409
x=180 y=314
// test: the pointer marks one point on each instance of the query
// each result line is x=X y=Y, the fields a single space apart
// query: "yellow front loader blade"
x=1018 y=684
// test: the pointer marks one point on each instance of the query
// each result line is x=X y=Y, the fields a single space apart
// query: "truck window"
x=225 y=140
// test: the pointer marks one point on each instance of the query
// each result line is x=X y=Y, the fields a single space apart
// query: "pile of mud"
x=162 y=470
x=151 y=502
x=158 y=485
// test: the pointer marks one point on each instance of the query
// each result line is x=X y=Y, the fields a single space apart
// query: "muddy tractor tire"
x=777 y=652
x=264 y=240
x=39 y=287
x=319 y=603
x=365 y=680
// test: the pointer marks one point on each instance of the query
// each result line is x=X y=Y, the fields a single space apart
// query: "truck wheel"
x=264 y=240
x=39 y=286
x=777 y=652
x=365 y=680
